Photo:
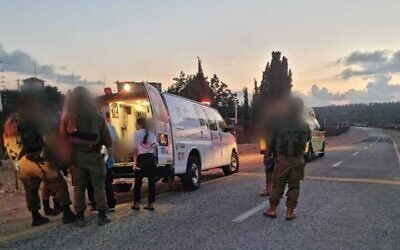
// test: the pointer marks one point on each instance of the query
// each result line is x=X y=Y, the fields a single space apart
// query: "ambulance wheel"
x=192 y=178
x=233 y=167
x=322 y=153
x=310 y=153
x=123 y=187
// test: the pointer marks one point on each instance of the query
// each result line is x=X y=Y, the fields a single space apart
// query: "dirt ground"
x=12 y=202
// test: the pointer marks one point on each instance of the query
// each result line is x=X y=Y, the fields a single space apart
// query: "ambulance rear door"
x=161 y=125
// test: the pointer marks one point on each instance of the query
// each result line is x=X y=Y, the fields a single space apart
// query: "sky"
x=339 y=51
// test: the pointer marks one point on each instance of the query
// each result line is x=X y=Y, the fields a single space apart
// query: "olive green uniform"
x=88 y=162
x=289 y=138
x=32 y=173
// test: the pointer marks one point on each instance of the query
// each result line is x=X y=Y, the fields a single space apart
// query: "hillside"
x=386 y=115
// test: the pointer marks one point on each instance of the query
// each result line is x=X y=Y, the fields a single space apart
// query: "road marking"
x=396 y=149
x=366 y=147
x=249 y=213
x=354 y=180
x=356 y=153
x=335 y=179
x=337 y=164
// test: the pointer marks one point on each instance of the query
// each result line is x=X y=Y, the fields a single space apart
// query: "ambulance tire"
x=310 y=153
x=233 y=167
x=322 y=153
x=122 y=187
x=192 y=178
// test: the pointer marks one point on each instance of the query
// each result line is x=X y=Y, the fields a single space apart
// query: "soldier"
x=86 y=131
x=274 y=109
x=289 y=138
x=25 y=145
x=108 y=154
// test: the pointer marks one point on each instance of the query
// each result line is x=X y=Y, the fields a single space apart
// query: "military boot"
x=48 y=210
x=38 y=219
x=267 y=190
x=80 y=219
x=68 y=215
x=103 y=219
x=270 y=212
x=264 y=192
x=290 y=215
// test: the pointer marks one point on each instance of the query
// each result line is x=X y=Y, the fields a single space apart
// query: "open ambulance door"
x=162 y=126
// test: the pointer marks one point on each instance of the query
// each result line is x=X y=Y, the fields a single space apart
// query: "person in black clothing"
x=144 y=149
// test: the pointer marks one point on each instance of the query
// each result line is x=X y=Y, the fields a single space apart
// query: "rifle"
x=271 y=164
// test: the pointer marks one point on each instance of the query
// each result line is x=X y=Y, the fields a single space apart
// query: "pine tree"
x=255 y=103
x=245 y=105
x=277 y=77
x=198 y=87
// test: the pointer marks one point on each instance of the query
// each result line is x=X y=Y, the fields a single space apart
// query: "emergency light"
x=107 y=91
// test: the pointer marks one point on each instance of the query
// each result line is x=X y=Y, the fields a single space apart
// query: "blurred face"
x=275 y=108
x=138 y=126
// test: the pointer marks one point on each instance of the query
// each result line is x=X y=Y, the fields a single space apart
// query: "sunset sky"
x=348 y=49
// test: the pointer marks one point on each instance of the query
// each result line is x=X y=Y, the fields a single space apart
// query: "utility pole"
x=73 y=80
x=2 y=82
x=236 y=113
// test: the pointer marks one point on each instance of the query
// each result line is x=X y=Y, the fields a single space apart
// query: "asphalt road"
x=350 y=199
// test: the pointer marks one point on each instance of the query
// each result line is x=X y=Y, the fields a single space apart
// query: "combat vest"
x=30 y=138
x=291 y=138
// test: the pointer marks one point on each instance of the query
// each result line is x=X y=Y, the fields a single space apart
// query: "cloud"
x=21 y=62
x=379 y=89
x=370 y=63
x=376 y=67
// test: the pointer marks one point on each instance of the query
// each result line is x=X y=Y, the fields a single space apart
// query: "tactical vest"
x=291 y=139
x=29 y=137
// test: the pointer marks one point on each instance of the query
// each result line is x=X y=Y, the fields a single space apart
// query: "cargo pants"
x=88 y=165
x=32 y=174
x=288 y=170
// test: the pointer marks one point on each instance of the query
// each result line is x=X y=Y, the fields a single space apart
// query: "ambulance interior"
x=124 y=109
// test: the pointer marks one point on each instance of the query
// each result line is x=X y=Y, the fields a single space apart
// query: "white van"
x=192 y=137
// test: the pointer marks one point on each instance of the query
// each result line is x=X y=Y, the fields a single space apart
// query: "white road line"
x=356 y=153
x=337 y=164
x=249 y=213
x=396 y=149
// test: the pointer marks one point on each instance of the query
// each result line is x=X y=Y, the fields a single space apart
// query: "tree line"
x=276 y=81
x=384 y=115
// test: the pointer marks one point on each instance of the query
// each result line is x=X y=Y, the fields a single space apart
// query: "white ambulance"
x=192 y=137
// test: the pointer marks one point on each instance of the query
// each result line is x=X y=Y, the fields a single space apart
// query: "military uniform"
x=32 y=171
x=289 y=137
x=87 y=162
